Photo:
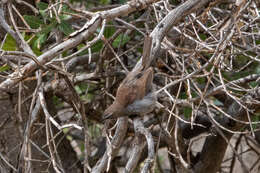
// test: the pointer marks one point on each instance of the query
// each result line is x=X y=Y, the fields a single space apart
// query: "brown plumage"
x=134 y=96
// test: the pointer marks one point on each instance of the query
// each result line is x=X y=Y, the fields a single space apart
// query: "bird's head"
x=113 y=111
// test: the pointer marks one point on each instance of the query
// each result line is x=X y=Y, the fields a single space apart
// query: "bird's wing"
x=126 y=93
x=144 y=83
x=135 y=87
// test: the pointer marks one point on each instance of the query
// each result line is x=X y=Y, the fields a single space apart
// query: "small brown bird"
x=134 y=96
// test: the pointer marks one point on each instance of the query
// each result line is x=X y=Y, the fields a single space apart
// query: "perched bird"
x=134 y=96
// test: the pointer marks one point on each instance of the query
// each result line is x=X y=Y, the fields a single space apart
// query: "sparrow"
x=134 y=96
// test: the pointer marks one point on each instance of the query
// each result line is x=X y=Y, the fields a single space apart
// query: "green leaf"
x=65 y=17
x=4 y=68
x=84 y=52
x=187 y=112
x=175 y=2
x=242 y=59
x=66 y=8
x=218 y=103
x=78 y=89
x=26 y=36
x=255 y=119
x=42 y=5
x=122 y=1
x=10 y=44
x=121 y=40
x=109 y=31
x=183 y=95
x=48 y=28
x=139 y=49
x=37 y=42
x=33 y=21
x=97 y=46
x=44 y=14
x=253 y=84
x=65 y=27
x=257 y=69
x=201 y=80
x=57 y=102
x=37 y=51
x=105 y=2
x=34 y=46
x=83 y=86
x=40 y=40
x=203 y=37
